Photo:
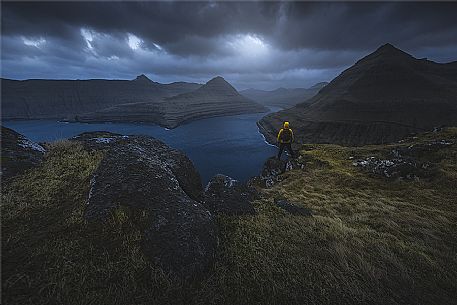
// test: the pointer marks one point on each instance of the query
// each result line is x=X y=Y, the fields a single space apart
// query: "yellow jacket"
x=280 y=140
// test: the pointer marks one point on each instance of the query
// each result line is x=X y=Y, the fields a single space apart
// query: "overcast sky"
x=262 y=45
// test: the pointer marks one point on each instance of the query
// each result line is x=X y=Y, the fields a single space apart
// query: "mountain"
x=37 y=99
x=383 y=97
x=216 y=98
x=283 y=97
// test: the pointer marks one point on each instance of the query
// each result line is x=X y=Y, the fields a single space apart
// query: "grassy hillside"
x=371 y=239
x=51 y=255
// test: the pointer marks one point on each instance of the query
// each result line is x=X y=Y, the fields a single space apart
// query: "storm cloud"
x=252 y=44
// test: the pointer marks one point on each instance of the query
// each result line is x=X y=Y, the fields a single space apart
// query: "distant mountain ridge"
x=283 y=97
x=59 y=99
x=137 y=100
x=383 y=97
x=215 y=98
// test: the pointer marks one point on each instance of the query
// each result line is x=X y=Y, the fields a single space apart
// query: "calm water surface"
x=231 y=145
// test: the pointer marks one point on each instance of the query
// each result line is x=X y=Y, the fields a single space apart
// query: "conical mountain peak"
x=388 y=48
x=142 y=78
x=217 y=80
x=382 y=98
x=389 y=52
x=386 y=53
x=218 y=83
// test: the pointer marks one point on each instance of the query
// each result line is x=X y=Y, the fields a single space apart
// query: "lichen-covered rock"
x=404 y=162
x=179 y=164
x=417 y=150
x=391 y=168
x=145 y=175
x=273 y=168
x=227 y=196
x=18 y=153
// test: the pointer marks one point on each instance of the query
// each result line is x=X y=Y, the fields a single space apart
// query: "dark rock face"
x=273 y=168
x=18 y=153
x=404 y=162
x=226 y=196
x=293 y=208
x=382 y=98
x=145 y=175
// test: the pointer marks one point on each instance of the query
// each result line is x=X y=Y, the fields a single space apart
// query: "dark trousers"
x=288 y=147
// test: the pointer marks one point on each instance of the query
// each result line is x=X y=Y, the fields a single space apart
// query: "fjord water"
x=230 y=145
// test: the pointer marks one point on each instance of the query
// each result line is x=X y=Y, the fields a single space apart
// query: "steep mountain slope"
x=283 y=97
x=216 y=98
x=383 y=97
x=32 y=99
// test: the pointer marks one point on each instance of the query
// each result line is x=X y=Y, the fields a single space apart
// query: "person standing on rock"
x=285 y=139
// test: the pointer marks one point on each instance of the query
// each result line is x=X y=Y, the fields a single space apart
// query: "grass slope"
x=50 y=255
x=371 y=240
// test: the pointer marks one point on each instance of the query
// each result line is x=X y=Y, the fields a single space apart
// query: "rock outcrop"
x=148 y=178
x=18 y=153
x=384 y=97
x=404 y=162
x=216 y=98
x=283 y=97
x=227 y=196
x=67 y=99
x=273 y=169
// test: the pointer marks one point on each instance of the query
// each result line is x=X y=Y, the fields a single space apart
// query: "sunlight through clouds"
x=88 y=37
x=35 y=42
x=248 y=45
x=134 y=42
x=157 y=46
x=286 y=43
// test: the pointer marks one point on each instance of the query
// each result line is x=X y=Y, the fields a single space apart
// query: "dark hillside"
x=367 y=225
x=384 y=97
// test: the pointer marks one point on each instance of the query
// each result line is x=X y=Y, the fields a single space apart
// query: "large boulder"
x=18 y=153
x=148 y=177
x=227 y=196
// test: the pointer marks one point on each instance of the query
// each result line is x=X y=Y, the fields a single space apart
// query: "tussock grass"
x=370 y=241
x=50 y=255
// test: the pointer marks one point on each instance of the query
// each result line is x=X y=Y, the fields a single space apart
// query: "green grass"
x=371 y=240
x=51 y=255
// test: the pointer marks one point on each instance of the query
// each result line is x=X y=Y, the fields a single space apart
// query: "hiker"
x=285 y=139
